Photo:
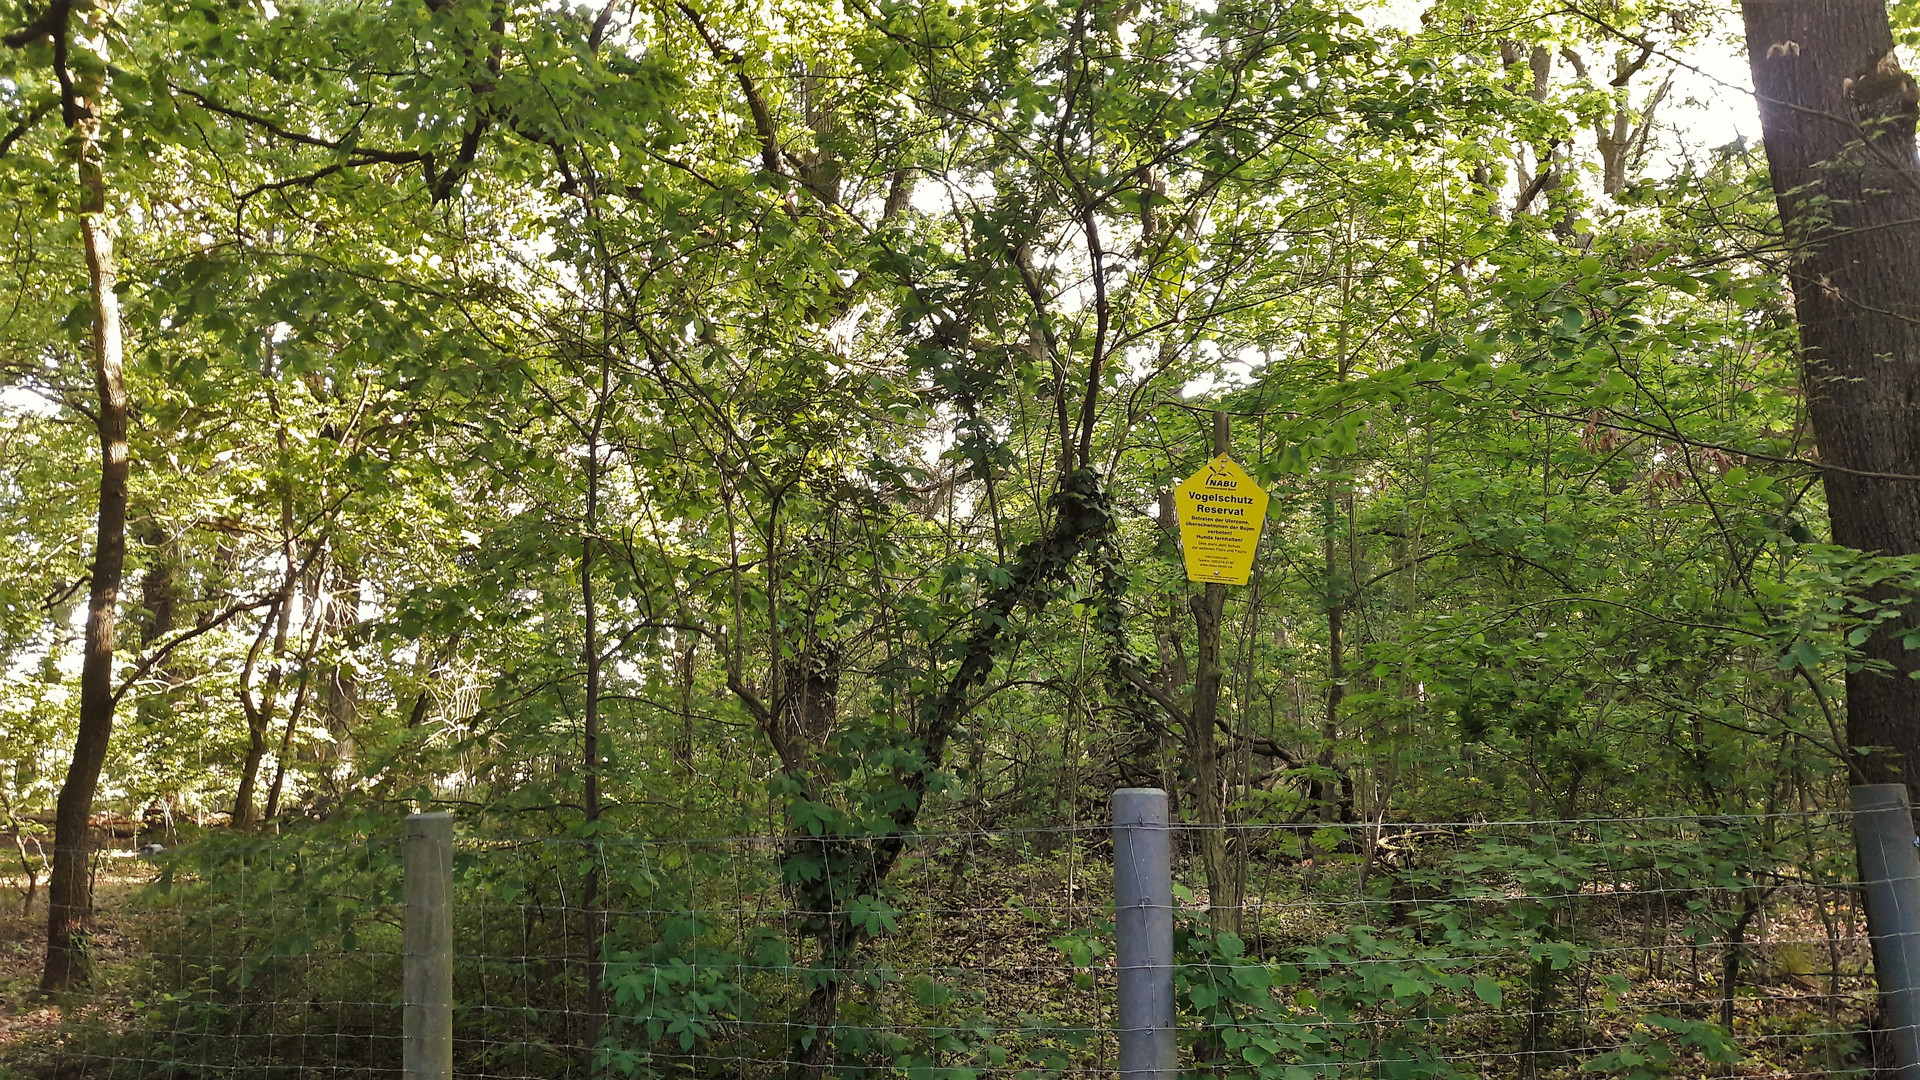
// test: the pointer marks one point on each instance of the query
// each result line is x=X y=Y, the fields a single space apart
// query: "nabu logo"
x=1219 y=479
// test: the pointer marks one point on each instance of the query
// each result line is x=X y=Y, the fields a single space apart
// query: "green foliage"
x=1654 y=1045
x=809 y=374
x=1358 y=1000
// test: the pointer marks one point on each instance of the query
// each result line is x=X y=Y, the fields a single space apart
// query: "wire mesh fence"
x=1632 y=947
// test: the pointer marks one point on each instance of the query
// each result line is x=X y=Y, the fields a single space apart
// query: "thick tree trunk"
x=812 y=1051
x=1838 y=118
x=69 y=891
x=159 y=592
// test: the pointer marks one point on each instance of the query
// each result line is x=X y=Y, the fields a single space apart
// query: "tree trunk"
x=1224 y=892
x=69 y=888
x=1166 y=753
x=159 y=602
x=1838 y=118
x=341 y=688
x=1326 y=788
x=683 y=673
x=596 y=919
x=260 y=717
x=315 y=619
x=159 y=592
x=1330 y=789
x=812 y=1051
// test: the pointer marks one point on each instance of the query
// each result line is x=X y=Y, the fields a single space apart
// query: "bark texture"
x=1838 y=118
x=69 y=892
x=1224 y=879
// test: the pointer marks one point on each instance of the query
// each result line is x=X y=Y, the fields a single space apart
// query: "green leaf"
x=1487 y=990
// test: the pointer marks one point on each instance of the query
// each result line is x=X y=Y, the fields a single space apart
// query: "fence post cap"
x=436 y=823
x=1870 y=797
x=1133 y=807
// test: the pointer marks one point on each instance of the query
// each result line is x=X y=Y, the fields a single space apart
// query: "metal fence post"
x=427 y=938
x=1143 y=928
x=1890 y=877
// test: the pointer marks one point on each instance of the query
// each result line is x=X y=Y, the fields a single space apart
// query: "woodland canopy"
x=695 y=419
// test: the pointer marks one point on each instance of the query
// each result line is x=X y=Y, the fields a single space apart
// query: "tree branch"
x=53 y=23
x=148 y=662
x=33 y=118
x=763 y=124
x=600 y=24
x=360 y=155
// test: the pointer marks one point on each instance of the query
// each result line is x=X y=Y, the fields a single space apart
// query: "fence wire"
x=1729 y=946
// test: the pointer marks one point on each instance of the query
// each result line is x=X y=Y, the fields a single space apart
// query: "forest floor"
x=31 y=1025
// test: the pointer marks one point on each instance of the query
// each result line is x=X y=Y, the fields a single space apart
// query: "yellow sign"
x=1221 y=511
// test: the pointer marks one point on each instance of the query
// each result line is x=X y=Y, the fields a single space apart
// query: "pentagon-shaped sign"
x=1221 y=512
